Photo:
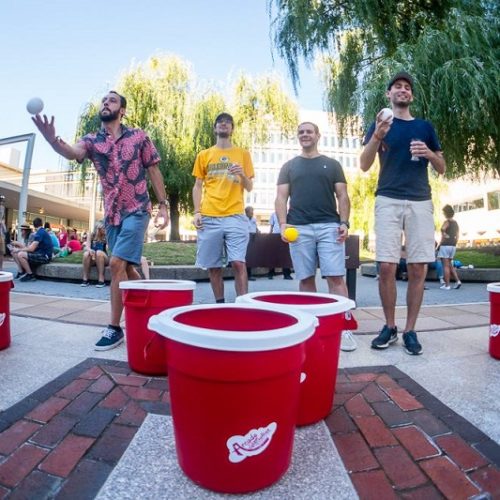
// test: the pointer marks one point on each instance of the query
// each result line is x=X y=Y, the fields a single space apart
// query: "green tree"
x=450 y=46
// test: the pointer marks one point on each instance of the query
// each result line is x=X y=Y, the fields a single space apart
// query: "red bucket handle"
x=149 y=344
x=141 y=299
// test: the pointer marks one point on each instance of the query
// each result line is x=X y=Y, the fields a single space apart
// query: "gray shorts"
x=446 y=252
x=222 y=240
x=126 y=240
x=414 y=219
x=318 y=241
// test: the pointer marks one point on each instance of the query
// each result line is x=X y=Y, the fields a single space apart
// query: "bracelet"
x=378 y=138
x=164 y=202
x=55 y=140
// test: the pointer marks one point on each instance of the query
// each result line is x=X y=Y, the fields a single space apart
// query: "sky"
x=69 y=52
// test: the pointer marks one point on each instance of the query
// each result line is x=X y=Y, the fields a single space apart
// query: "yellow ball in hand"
x=291 y=233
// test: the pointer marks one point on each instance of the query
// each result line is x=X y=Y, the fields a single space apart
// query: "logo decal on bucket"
x=494 y=330
x=303 y=376
x=253 y=443
x=2 y=318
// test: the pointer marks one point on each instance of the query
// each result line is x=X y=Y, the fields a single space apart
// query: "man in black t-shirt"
x=319 y=209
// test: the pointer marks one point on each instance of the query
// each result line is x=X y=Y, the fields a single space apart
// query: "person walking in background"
x=124 y=158
x=319 y=209
x=448 y=247
x=252 y=231
x=405 y=146
x=95 y=254
x=274 y=228
x=39 y=251
x=222 y=172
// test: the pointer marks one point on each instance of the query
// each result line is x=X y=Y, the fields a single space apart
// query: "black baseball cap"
x=402 y=75
x=224 y=116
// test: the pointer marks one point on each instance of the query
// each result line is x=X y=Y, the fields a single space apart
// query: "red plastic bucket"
x=494 y=289
x=322 y=349
x=146 y=350
x=6 y=283
x=234 y=377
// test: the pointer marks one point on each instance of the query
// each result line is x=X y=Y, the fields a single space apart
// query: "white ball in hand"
x=386 y=114
x=34 y=106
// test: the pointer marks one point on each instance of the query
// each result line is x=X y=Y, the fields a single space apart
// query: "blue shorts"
x=318 y=241
x=221 y=240
x=126 y=240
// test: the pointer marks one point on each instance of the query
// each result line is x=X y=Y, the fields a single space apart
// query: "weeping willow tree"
x=450 y=46
x=165 y=100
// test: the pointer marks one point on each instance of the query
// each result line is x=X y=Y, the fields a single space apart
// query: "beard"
x=111 y=116
x=223 y=135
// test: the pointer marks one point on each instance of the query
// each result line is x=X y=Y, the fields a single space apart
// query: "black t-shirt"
x=452 y=232
x=312 y=189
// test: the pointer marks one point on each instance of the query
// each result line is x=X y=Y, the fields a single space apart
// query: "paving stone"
x=103 y=384
x=95 y=422
x=4 y=492
x=428 y=422
x=373 y=485
x=362 y=377
x=466 y=457
x=53 y=432
x=115 y=400
x=488 y=478
x=142 y=394
x=133 y=380
x=111 y=445
x=400 y=468
x=72 y=390
x=392 y=414
x=37 y=485
x=18 y=465
x=427 y=492
x=83 y=403
x=45 y=411
x=85 y=481
x=490 y=450
x=340 y=399
x=342 y=377
x=14 y=436
x=372 y=393
x=357 y=406
x=157 y=407
x=464 y=428
x=133 y=414
x=416 y=442
x=66 y=456
x=375 y=431
x=387 y=382
x=92 y=373
x=339 y=421
x=448 y=478
x=157 y=383
x=165 y=398
x=404 y=399
x=354 y=451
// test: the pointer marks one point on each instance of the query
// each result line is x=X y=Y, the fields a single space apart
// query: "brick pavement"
x=396 y=440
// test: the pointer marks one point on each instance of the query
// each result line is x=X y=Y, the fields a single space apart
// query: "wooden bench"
x=269 y=250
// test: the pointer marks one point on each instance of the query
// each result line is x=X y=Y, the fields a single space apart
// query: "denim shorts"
x=318 y=242
x=126 y=240
x=38 y=258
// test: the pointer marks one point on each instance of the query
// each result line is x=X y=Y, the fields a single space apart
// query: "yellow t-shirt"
x=222 y=192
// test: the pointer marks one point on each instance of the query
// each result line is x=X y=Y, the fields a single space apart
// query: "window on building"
x=466 y=206
x=494 y=200
x=332 y=141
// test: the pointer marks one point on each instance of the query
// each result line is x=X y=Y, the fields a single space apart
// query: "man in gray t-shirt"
x=319 y=210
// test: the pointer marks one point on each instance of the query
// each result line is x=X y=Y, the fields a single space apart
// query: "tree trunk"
x=173 y=199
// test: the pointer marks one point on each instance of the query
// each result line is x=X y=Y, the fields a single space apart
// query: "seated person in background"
x=53 y=237
x=73 y=244
x=145 y=267
x=39 y=251
x=27 y=236
x=95 y=255
x=62 y=236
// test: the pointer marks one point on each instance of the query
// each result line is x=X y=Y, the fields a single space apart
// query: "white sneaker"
x=458 y=284
x=441 y=281
x=445 y=287
x=347 y=343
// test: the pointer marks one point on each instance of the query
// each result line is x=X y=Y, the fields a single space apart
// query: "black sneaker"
x=386 y=337
x=110 y=338
x=27 y=277
x=84 y=283
x=412 y=345
x=100 y=284
x=19 y=274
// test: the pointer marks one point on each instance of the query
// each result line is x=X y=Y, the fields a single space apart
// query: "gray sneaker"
x=386 y=337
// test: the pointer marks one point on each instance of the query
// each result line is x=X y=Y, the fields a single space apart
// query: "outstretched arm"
x=369 y=152
x=48 y=130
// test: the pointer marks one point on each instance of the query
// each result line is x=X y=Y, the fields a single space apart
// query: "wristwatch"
x=345 y=223
x=163 y=202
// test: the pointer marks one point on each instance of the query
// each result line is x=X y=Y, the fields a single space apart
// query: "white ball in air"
x=386 y=114
x=34 y=106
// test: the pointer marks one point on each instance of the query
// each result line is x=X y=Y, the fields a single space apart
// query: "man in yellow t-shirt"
x=222 y=174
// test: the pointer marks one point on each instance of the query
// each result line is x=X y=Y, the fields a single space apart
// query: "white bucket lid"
x=493 y=287
x=157 y=285
x=5 y=276
x=337 y=304
x=233 y=340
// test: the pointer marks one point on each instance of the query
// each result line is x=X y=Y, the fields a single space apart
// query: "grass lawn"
x=177 y=253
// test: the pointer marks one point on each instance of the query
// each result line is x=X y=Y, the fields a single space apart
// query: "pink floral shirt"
x=121 y=166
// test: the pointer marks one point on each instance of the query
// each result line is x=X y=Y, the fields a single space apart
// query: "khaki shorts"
x=414 y=219
x=2 y=244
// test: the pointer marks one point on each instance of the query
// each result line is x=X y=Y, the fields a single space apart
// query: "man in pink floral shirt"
x=122 y=157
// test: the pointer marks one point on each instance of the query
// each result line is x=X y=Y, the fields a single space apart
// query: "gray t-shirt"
x=312 y=189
